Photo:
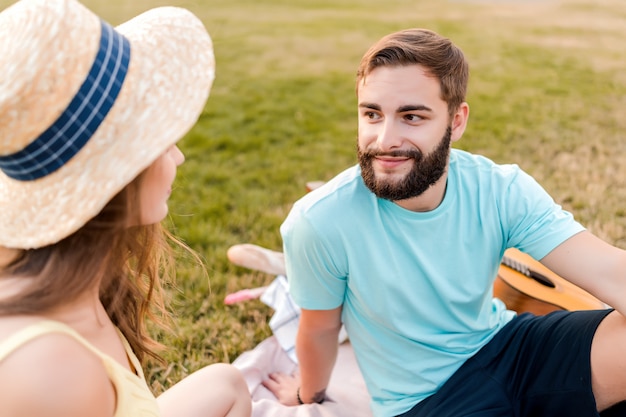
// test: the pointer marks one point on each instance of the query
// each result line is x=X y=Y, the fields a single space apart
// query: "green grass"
x=547 y=91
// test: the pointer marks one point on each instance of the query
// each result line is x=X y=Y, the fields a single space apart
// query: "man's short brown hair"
x=437 y=54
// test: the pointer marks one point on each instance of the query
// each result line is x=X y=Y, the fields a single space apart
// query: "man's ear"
x=459 y=121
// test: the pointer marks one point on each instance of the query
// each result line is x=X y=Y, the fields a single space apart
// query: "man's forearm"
x=317 y=353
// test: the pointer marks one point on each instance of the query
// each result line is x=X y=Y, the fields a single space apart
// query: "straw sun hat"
x=85 y=108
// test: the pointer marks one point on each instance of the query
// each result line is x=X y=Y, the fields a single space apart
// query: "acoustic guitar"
x=524 y=284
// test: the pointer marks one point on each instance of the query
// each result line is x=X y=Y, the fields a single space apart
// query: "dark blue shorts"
x=535 y=366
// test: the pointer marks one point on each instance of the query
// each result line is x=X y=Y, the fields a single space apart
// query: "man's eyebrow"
x=413 y=107
x=401 y=109
x=372 y=106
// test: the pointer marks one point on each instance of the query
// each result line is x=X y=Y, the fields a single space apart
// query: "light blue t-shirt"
x=416 y=287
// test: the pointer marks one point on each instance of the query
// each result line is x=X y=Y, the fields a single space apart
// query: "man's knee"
x=608 y=362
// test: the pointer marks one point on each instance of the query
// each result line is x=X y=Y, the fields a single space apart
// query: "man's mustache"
x=409 y=153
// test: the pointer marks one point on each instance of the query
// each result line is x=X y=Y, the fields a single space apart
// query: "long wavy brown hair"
x=128 y=263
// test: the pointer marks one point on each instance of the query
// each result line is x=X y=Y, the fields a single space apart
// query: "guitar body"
x=541 y=293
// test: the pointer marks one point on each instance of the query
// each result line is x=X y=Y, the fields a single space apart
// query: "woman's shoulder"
x=50 y=374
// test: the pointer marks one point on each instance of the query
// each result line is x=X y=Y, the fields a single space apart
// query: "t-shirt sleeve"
x=536 y=223
x=316 y=282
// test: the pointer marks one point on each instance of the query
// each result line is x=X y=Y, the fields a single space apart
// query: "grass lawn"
x=547 y=91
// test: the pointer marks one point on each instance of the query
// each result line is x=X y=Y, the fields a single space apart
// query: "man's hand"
x=284 y=387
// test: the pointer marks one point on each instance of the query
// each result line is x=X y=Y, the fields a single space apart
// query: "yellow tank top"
x=134 y=398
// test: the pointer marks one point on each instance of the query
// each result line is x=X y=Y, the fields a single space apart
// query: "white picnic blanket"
x=346 y=393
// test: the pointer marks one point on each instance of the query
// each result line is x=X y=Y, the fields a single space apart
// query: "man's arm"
x=316 y=347
x=593 y=265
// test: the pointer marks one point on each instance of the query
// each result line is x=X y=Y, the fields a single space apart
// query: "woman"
x=89 y=120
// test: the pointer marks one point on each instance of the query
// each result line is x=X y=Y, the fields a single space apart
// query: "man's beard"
x=426 y=171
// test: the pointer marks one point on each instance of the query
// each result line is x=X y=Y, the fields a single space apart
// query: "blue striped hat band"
x=77 y=124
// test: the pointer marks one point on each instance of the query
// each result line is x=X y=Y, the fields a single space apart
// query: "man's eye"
x=413 y=117
x=372 y=115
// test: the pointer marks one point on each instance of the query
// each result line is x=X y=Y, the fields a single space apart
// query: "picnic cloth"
x=346 y=395
x=346 y=392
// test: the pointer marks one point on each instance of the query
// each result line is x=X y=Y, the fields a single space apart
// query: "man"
x=403 y=249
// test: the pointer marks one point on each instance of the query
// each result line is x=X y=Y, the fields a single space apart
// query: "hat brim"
x=170 y=74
